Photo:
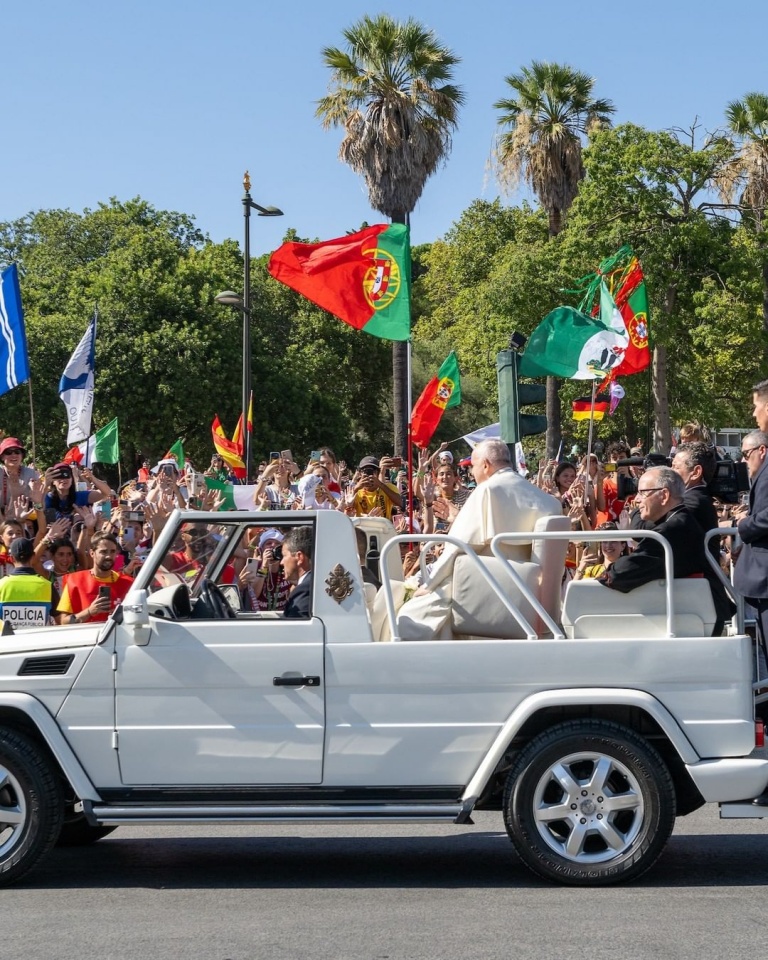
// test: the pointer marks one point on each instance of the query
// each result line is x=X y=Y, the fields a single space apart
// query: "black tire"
x=77 y=832
x=589 y=803
x=31 y=806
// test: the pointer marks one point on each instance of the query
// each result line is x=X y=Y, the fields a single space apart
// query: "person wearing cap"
x=267 y=587
x=62 y=495
x=26 y=598
x=83 y=593
x=372 y=493
x=16 y=480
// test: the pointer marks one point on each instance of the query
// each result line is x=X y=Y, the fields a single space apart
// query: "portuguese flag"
x=442 y=392
x=363 y=278
x=625 y=281
x=583 y=405
x=569 y=344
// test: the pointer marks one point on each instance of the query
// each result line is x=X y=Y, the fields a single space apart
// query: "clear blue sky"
x=172 y=100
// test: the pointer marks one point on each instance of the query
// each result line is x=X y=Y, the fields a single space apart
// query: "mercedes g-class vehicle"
x=590 y=722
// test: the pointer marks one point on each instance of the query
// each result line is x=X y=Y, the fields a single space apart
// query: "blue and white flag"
x=76 y=386
x=14 y=361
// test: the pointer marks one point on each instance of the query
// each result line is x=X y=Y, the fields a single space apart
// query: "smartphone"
x=315 y=455
x=609 y=467
x=81 y=486
x=50 y=515
x=168 y=469
x=106 y=509
x=136 y=515
x=397 y=461
x=105 y=593
x=274 y=455
x=287 y=455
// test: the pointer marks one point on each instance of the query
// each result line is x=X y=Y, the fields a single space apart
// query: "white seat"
x=478 y=612
x=592 y=610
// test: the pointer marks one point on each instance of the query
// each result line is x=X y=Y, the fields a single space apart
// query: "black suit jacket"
x=750 y=576
x=300 y=601
x=699 y=504
x=646 y=562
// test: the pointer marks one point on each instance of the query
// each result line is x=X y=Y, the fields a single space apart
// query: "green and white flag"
x=237 y=496
x=571 y=345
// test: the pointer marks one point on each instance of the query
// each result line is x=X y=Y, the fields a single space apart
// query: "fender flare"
x=582 y=696
x=49 y=730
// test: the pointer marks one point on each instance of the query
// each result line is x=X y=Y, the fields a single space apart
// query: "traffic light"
x=513 y=395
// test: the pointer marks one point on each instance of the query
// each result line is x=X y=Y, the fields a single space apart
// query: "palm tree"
x=392 y=93
x=746 y=178
x=551 y=111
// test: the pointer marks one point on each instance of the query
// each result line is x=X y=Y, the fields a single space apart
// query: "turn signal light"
x=759 y=733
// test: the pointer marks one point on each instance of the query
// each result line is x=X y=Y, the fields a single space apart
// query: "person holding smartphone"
x=89 y=596
x=62 y=497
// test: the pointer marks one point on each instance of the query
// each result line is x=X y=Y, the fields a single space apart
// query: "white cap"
x=271 y=534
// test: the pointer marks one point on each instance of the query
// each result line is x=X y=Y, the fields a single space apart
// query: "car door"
x=216 y=702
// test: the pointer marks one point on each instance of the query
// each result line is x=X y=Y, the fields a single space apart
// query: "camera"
x=627 y=486
x=277 y=552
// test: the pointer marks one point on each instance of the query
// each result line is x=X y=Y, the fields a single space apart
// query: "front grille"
x=46 y=666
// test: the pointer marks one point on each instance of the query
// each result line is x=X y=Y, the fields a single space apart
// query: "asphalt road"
x=382 y=893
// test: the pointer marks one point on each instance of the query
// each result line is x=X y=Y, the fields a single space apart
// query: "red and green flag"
x=442 y=392
x=363 y=278
x=623 y=276
x=176 y=453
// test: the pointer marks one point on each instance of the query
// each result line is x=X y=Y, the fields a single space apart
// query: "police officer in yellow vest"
x=25 y=597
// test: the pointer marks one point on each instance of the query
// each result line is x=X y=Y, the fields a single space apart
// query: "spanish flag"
x=226 y=448
x=583 y=405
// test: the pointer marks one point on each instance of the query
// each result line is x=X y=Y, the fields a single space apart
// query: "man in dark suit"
x=750 y=575
x=660 y=498
x=297 y=564
x=696 y=462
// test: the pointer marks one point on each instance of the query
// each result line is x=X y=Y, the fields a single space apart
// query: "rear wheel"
x=589 y=802
x=31 y=806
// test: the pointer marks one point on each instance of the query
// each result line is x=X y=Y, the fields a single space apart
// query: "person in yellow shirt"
x=372 y=493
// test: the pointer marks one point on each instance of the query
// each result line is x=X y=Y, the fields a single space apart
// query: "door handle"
x=295 y=681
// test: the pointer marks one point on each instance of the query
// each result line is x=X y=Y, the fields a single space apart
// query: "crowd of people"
x=73 y=544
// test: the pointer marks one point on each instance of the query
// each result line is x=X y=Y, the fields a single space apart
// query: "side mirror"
x=136 y=616
x=231 y=595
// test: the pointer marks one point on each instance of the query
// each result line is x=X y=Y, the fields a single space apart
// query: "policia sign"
x=25 y=600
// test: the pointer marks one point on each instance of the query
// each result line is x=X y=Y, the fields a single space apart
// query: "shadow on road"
x=482 y=859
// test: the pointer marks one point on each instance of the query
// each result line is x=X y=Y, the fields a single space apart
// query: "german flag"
x=583 y=405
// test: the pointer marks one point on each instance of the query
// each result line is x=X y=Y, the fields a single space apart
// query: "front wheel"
x=31 y=806
x=589 y=802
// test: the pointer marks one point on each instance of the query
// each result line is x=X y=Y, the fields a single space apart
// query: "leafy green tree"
x=551 y=110
x=653 y=190
x=746 y=178
x=391 y=90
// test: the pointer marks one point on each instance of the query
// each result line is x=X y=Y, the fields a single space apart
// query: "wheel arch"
x=634 y=709
x=26 y=715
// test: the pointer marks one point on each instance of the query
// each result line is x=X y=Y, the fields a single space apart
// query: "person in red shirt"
x=81 y=600
x=198 y=546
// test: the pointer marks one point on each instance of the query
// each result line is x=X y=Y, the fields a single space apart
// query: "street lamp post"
x=230 y=298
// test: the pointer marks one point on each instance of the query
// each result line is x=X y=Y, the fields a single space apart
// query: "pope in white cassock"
x=501 y=503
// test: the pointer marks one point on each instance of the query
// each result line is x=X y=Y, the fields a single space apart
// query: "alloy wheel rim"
x=588 y=807
x=13 y=811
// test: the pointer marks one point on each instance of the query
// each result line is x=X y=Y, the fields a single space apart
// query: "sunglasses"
x=369 y=471
x=13 y=450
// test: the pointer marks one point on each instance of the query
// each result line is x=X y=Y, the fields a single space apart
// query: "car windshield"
x=197 y=553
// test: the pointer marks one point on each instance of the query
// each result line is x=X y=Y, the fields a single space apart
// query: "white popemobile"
x=591 y=724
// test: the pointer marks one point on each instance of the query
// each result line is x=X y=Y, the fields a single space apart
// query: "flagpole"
x=591 y=424
x=409 y=402
x=31 y=418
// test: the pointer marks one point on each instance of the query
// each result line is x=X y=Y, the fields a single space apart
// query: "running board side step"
x=104 y=815
x=742 y=810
